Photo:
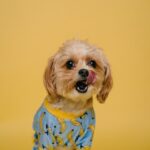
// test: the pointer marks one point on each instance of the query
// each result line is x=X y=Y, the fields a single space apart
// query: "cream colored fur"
x=60 y=81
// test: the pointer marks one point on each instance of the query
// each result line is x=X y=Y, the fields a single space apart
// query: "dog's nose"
x=83 y=73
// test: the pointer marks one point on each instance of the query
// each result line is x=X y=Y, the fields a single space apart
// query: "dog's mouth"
x=81 y=86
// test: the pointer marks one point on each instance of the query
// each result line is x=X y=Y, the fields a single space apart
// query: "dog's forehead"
x=78 y=50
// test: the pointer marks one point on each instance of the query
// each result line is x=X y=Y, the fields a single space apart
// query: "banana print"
x=61 y=131
x=81 y=132
x=86 y=148
x=36 y=139
x=41 y=122
x=93 y=115
x=49 y=147
x=59 y=140
x=76 y=123
x=84 y=115
x=91 y=127
x=63 y=125
x=51 y=134
x=70 y=138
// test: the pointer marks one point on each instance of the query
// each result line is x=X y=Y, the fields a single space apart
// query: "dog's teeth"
x=78 y=88
x=81 y=87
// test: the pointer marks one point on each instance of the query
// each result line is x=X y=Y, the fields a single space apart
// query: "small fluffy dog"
x=66 y=119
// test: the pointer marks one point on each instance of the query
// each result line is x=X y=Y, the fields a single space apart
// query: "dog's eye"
x=92 y=63
x=70 y=64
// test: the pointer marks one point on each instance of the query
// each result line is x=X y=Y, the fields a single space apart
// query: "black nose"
x=83 y=73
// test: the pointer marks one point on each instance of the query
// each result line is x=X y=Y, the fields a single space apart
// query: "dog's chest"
x=56 y=131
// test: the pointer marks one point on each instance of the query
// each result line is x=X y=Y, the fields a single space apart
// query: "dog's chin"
x=80 y=92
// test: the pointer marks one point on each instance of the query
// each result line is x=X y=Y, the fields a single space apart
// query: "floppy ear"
x=107 y=85
x=49 y=78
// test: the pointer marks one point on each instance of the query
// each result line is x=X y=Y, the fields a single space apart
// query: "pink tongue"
x=91 y=78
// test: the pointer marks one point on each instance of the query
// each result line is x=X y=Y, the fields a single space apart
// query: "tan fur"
x=60 y=82
x=49 y=78
x=107 y=85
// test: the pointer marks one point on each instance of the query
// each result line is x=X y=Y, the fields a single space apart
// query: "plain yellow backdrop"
x=32 y=30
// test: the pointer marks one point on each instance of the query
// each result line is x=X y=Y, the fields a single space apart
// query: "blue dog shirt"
x=54 y=127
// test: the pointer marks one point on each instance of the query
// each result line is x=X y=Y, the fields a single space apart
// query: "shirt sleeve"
x=42 y=137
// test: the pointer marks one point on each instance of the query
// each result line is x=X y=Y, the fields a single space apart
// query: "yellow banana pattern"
x=41 y=122
x=51 y=135
x=59 y=140
x=50 y=147
x=62 y=125
x=64 y=132
x=70 y=138
x=86 y=148
x=91 y=127
x=36 y=139
x=81 y=133
x=76 y=123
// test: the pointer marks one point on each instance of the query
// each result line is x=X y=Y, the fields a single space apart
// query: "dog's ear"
x=49 y=78
x=106 y=85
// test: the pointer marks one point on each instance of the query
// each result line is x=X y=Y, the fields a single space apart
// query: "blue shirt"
x=54 y=127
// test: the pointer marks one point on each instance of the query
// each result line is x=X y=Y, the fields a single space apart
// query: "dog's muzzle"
x=82 y=85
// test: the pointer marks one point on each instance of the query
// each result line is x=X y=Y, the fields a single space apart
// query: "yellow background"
x=32 y=30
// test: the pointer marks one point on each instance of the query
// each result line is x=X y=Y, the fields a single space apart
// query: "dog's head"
x=77 y=71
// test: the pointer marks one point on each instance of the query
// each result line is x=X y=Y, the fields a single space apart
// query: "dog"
x=74 y=75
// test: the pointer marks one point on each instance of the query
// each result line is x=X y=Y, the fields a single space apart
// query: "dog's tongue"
x=91 y=78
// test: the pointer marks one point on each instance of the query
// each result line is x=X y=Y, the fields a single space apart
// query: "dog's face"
x=77 y=71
